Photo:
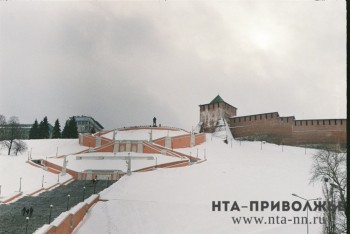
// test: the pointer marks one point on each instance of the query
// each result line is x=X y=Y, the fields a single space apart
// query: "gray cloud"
x=125 y=62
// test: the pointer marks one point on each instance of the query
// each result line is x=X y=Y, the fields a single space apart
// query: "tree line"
x=12 y=132
x=42 y=130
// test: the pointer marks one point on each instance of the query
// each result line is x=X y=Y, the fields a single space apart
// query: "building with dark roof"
x=87 y=124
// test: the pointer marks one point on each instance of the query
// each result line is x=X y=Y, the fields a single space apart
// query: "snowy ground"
x=180 y=200
x=13 y=168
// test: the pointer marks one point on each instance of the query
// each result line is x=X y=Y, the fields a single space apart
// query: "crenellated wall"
x=322 y=131
x=286 y=130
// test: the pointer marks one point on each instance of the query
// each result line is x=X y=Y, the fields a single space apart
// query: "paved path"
x=11 y=218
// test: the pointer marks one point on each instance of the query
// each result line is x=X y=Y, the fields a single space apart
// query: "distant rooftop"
x=218 y=99
x=88 y=117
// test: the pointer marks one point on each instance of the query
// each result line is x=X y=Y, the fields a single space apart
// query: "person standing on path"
x=31 y=211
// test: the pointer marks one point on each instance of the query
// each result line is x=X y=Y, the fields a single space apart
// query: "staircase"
x=11 y=218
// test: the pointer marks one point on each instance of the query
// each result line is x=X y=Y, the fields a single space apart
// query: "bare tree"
x=11 y=131
x=19 y=146
x=330 y=166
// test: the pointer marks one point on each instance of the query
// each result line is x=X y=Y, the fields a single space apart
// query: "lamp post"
x=68 y=197
x=42 y=182
x=129 y=165
x=84 y=193
x=27 y=220
x=20 y=184
x=307 y=209
x=50 y=213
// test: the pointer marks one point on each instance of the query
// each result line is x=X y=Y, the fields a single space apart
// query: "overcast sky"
x=125 y=62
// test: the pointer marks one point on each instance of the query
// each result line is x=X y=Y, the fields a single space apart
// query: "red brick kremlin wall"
x=287 y=130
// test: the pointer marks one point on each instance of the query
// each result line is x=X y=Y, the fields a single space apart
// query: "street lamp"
x=84 y=193
x=27 y=220
x=307 y=209
x=68 y=197
x=50 y=213
x=20 y=183
x=42 y=182
x=129 y=165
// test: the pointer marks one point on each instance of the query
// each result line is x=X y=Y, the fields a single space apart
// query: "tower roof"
x=217 y=99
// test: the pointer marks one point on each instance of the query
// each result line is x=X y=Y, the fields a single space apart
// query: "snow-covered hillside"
x=14 y=169
x=180 y=200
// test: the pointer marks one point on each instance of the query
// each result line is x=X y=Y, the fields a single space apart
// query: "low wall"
x=200 y=138
x=182 y=141
x=68 y=221
x=74 y=174
x=87 y=140
x=182 y=163
x=85 y=175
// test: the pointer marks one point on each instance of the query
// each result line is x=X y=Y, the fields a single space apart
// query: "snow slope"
x=180 y=200
x=12 y=168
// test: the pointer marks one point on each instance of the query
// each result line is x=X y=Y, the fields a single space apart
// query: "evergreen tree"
x=73 y=128
x=65 y=132
x=44 y=129
x=34 y=131
x=70 y=129
x=56 y=130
